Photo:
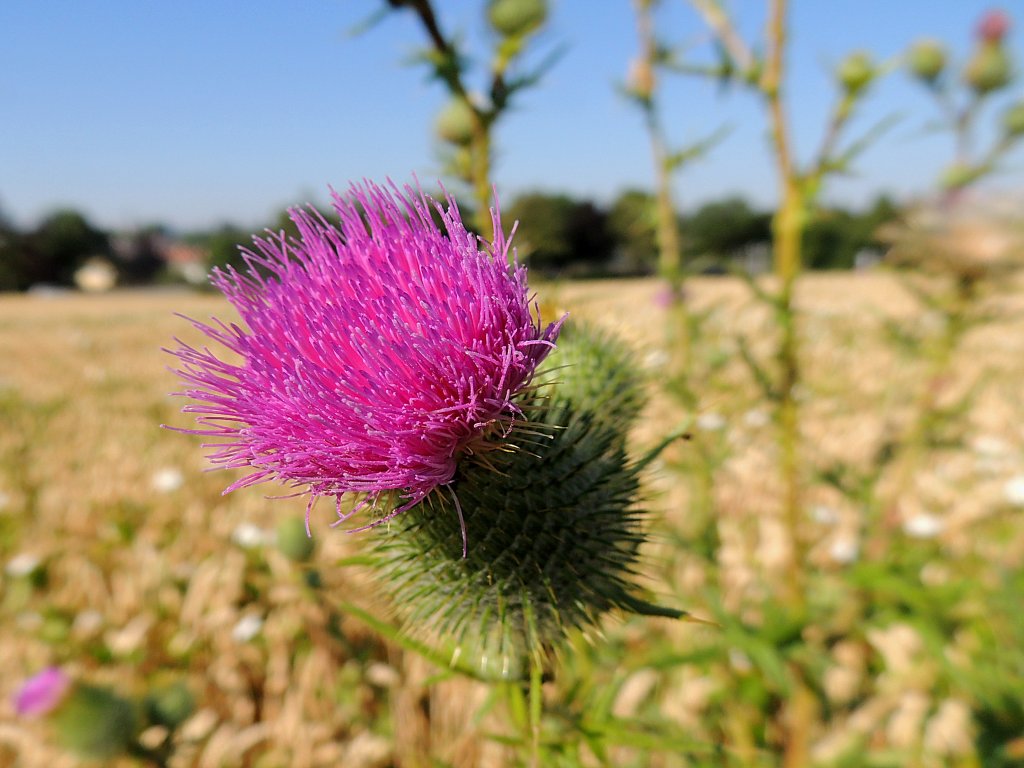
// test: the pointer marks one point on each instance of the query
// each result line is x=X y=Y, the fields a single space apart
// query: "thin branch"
x=772 y=87
x=719 y=21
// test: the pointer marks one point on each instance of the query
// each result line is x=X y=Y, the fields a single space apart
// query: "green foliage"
x=95 y=723
x=170 y=704
x=223 y=247
x=835 y=237
x=138 y=259
x=559 y=234
x=51 y=252
x=14 y=261
x=722 y=228
x=633 y=225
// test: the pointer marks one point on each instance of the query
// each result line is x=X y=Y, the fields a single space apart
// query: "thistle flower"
x=993 y=26
x=371 y=357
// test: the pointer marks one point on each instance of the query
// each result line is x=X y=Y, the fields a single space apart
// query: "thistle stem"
x=480 y=143
x=787 y=234
x=536 y=709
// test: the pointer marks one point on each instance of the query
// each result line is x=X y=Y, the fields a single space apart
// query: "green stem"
x=536 y=708
x=679 y=433
x=669 y=264
x=399 y=638
x=787 y=235
x=788 y=232
x=480 y=170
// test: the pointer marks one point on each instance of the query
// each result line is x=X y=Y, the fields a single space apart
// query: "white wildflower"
x=167 y=480
x=22 y=565
x=249 y=536
x=923 y=526
x=247 y=628
x=711 y=421
x=1013 y=491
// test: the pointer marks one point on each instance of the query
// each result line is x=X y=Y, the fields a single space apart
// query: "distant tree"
x=722 y=228
x=557 y=233
x=59 y=246
x=223 y=246
x=835 y=237
x=590 y=238
x=12 y=257
x=832 y=240
x=633 y=223
x=137 y=255
x=883 y=210
x=543 y=239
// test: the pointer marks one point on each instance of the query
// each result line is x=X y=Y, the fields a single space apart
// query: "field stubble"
x=148 y=568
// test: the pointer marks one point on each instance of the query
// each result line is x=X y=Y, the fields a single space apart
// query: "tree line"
x=558 y=236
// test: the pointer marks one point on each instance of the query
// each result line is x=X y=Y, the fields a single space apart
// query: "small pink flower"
x=369 y=357
x=42 y=693
x=993 y=26
x=668 y=296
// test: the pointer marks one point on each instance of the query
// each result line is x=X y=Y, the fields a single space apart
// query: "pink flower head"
x=371 y=356
x=42 y=693
x=993 y=26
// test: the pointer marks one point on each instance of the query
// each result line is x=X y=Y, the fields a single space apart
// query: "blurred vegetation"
x=559 y=236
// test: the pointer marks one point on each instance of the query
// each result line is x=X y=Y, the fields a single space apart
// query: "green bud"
x=1013 y=119
x=856 y=72
x=95 y=722
x=461 y=163
x=753 y=74
x=516 y=18
x=596 y=370
x=293 y=541
x=455 y=123
x=55 y=630
x=551 y=524
x=989 y=69
x=927 y=60
x=961 y=175
x=170 y=705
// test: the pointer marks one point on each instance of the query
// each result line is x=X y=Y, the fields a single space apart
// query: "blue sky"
x=197 y=112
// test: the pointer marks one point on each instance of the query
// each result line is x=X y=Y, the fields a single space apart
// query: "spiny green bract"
x=552 y=527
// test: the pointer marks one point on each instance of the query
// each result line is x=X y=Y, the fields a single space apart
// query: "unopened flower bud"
x=960 y=175
x=856 y=72
x=1013 y=119
x=516 y=18
x=550 y=519
x=993 y=26
x=170 y=705
x=641 y=79
x=293 y=540
x=988 y=69
x=927 y=60
x=95 y=722
x=455 y=123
